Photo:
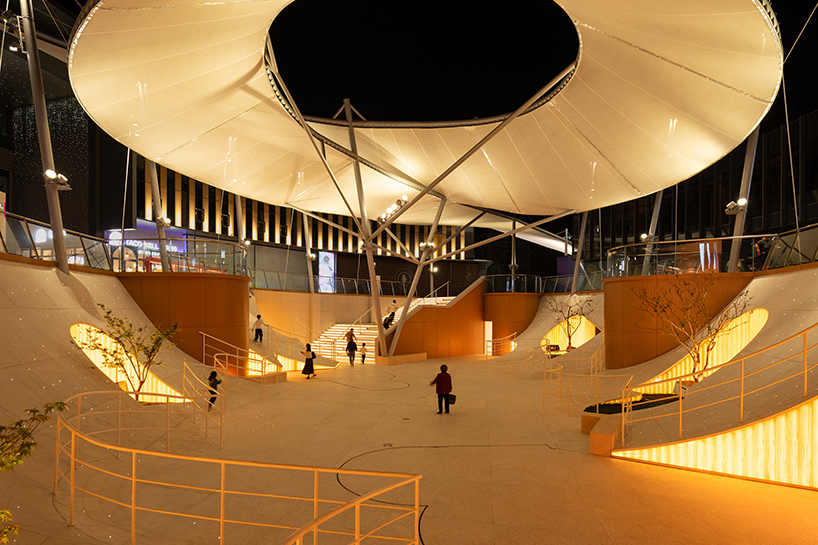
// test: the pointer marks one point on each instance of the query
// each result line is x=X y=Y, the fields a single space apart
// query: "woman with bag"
x=309 y=356
x=443 y=387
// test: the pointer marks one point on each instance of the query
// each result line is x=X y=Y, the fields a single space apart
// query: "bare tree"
x=679 y=310
x=575 y=306
x=131 y=350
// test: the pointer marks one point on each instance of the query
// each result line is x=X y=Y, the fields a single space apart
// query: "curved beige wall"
x=217 y=304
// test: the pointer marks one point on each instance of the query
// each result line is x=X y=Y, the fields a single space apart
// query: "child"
x=443 y=382
x=363 y=353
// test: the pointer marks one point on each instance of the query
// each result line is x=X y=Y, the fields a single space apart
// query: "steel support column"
x=158 y=218
x=429 y=240
x=308 y=253
x=654 y=221
x=578 y=253
x=744 y=193
x=366 y=231
x=44 y=135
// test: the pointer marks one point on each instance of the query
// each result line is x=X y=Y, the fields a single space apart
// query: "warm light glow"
x=781 y=448
x=583 y=330
x=82 y=333
x=729 y=342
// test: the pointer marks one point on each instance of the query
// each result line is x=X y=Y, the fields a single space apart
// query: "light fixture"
x=643 y=236
x=734 y=207
x=50 y=174
x=247 y=242
x=434 y=269
x=7 y=16
x=14 y=46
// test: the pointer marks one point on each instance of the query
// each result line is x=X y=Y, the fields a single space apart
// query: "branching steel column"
x=318 y=150
x=309 y=254
x=156 y=199
x=504 y=235
x=405 y=314
x=744 y=193
x=478 y=146
x=654 y=221
x=366 y=231
x=44 y=135
x=578 y=253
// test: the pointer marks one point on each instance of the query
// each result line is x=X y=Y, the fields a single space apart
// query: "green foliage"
x=6 y=531
x=134 y=350
x=17 y=443
x=17 y=438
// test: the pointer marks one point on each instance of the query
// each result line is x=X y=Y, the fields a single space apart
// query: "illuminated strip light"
x=730 y=341
x=584 y=331
x=82 y=333
x=779 y=449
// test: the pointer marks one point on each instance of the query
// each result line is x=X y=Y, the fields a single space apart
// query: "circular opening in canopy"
x=426 y=60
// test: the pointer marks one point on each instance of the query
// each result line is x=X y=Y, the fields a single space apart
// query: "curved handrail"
x=130 y=472
x=688 y=378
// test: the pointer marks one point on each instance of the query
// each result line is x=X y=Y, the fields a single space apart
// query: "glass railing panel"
x=97 y=253
x=16 y=237
x=74 y=250
x=43 y=242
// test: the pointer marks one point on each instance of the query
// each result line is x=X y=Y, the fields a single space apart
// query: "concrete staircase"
x=332 y=342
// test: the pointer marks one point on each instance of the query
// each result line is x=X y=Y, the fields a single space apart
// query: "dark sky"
x=448 y=60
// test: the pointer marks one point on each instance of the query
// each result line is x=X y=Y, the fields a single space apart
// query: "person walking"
x=258 y=325
x=443 y=387
x=309 y=357
x=363 y=353
x=214 y=382
x=351 y=349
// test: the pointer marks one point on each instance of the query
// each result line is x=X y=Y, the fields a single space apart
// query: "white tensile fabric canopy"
x=661 y=90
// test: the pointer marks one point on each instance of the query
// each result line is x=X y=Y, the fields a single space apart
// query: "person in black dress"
x=309 y=356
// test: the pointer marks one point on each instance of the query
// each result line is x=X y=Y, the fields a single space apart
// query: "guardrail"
x=688 y=256
x=31 y=238
x=524 y=283
x=279 y=280
x=690 y=389
x=157 y=494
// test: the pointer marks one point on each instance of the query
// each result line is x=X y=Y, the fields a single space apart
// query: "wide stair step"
x=332 y=342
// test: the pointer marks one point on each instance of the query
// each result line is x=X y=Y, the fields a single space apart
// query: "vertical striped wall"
x=194 y=205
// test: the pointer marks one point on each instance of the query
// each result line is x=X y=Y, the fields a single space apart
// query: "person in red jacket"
x=443 y=387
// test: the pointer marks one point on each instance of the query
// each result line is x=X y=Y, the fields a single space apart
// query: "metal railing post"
x=315 y=506
x=167 y=424
x=741 y=396
x=221 y=503
x=680 y=407
x=71 y=492
x=804 y=335
x=133 y=498
x=417 y=512
x=57 y=459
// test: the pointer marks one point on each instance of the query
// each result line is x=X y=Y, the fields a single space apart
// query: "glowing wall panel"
x=729 y=342
x=82 y=333
x=781 y=449
x=583 y=331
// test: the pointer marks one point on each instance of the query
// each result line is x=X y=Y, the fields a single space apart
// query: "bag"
x=452 y=399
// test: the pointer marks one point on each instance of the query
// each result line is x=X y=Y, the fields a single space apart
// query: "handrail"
x=643 y=258
x=683 y=393
x=526 y=283
x=87 y=470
